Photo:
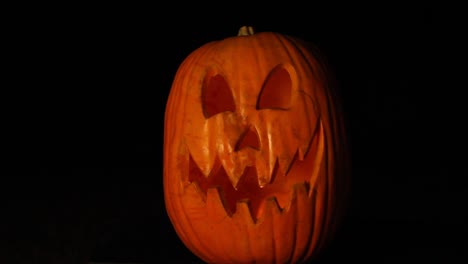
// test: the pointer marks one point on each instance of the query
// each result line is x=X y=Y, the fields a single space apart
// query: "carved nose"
x=248 y=139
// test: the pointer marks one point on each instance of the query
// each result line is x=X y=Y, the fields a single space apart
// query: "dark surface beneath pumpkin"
x=88 y=130
x=139 y=236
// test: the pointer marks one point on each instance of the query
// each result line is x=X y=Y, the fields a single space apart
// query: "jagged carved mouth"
x=303 y=170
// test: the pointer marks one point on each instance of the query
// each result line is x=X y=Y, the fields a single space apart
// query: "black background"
x=86 y=111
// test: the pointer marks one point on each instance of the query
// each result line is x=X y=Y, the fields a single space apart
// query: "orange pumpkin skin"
x=255 y=157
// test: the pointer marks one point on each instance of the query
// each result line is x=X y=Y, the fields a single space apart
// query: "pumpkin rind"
x=294 y=217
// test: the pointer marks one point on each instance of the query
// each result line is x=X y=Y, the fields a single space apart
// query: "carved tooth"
x=268 y=176
x=204 y=165
x=305 y=149
x=193 y=189
x=215 y=205
x=272 y=162
x=194 y=169
x=195 y=176
x=233 y=171
x=267 y=208
x=263 y=173
x=302 y=151
x=286 y=163
x=300 y=190
x=271 y=207
x=299 y=196
x=243 y=213
x=277 y=173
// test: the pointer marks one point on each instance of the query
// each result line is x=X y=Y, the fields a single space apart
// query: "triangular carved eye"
x=276 y=90
x=216 y=96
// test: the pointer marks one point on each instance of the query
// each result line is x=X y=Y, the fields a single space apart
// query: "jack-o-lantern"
x=255 y=163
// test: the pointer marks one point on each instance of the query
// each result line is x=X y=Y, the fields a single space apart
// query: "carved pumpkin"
x=254 y=155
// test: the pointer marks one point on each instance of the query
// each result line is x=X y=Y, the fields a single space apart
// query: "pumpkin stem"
x=246 y=31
